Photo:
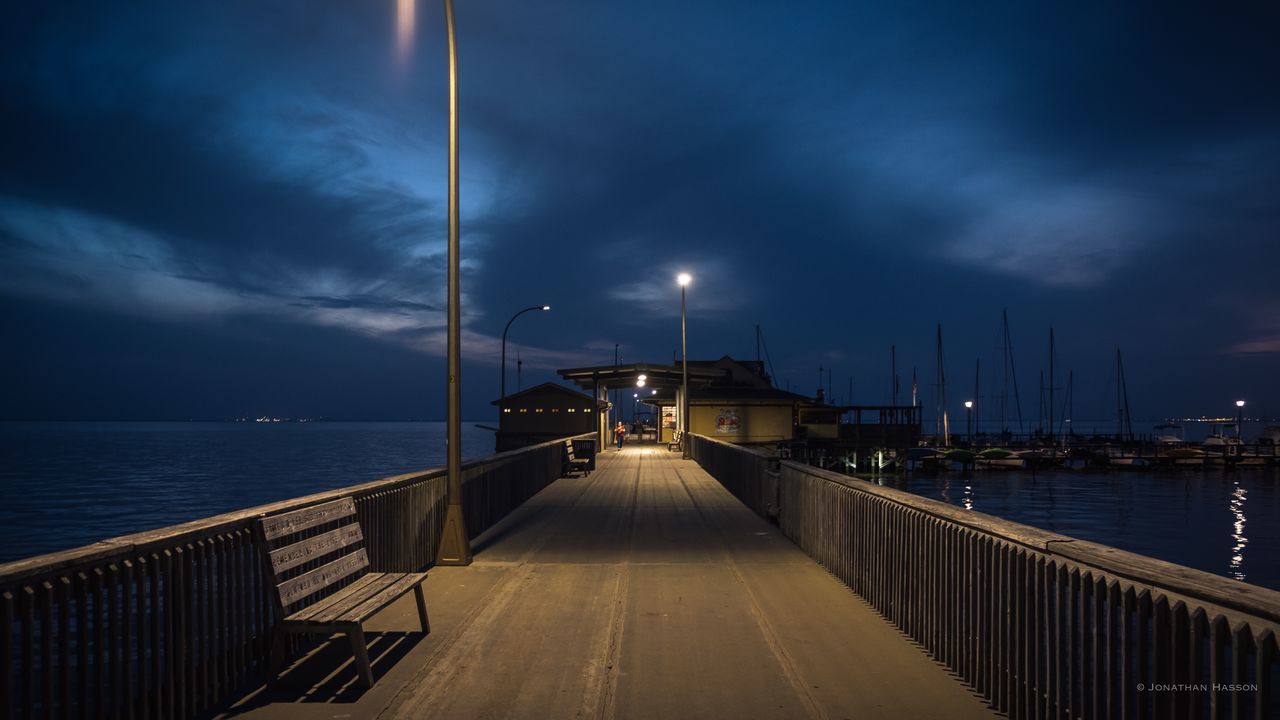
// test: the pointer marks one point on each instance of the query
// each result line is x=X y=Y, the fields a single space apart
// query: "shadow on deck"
x=644 y=590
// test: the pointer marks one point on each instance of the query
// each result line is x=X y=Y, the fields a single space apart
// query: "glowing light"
x=684 y=279
x=968 y=404
x=1236 y=506
x=546 y=307
x=643 y=377
x=1239 y=403
x=639 y=383
x=406 y=29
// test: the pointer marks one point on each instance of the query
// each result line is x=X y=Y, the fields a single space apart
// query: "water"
x=63 y=485
x=1227 y=523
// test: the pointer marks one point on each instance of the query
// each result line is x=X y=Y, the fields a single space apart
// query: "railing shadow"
x=327 y=674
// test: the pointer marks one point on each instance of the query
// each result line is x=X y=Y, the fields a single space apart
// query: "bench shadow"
x=327 y=672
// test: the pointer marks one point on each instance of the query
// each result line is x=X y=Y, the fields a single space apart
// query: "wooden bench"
x=573 y=463
x=308 y=569
x=676 y=438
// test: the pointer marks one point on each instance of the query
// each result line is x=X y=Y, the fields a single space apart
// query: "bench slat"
x=337 y=611
x=299 y=520
x=291 y=556
x=365 y=610
x=347 y=593
x=316 y=580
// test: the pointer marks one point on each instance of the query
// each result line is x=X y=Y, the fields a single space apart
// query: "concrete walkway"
x=642 y=591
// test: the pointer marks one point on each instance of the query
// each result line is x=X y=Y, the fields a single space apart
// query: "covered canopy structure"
x=601 y=379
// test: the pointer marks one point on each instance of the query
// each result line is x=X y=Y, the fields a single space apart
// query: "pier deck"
x=642 y=591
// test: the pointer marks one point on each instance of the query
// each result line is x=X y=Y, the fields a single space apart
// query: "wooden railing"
x=1040 y=624
x=169 y=623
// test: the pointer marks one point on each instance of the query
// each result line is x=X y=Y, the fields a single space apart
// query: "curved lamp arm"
x=503 y=384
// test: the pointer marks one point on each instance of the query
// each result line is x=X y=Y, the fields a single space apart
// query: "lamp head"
x=546 y=307
x=968 y=404
x=1239 y=403
x=684 y=279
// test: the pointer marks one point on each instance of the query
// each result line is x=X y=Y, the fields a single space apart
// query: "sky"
x=211 y=210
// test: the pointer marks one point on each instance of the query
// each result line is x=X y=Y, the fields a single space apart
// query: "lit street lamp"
x=684 y=279
x=502 y=386
x=1239 y=418
x=968 y=416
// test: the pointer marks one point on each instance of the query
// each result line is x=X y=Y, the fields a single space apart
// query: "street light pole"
x=968 y=417
x=684 y=279
x=455 y=546
x=502 y=386
x=1239 y=418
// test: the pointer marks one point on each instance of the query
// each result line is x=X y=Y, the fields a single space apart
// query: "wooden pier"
x=642 y=591
x=731 y=585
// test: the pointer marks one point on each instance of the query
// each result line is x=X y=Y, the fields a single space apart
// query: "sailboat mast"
x=1126 y=420
x=945 y=426
x=1004 y=369
x=1013 y=370
x=1052 y=434
x=1119 y=402
x=893 y=374
x=1040 y=406
x=1069 y=410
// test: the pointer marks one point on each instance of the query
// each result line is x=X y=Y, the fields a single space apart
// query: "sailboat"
x=1122 y=457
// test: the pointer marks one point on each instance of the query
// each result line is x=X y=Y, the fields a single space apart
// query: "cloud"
x=1076 y=236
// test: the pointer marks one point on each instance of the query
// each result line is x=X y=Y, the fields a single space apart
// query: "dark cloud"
x=844 y=175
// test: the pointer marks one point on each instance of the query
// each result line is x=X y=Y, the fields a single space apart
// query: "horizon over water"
x=68 y=484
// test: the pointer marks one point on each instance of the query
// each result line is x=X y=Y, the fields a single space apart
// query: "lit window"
x=573 y=410
x=555 y=409
x=524 y=409
x=506 y=410
x=537 y=410
x=586 y=410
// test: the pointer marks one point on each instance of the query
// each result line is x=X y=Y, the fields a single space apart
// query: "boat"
x=1001 y=458
x=1125 y=458
x=960 y=455
x=1168 y=434
x=1185 y=455
x=1270 y=435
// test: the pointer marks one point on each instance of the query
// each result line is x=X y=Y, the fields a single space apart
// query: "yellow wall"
x=756 y=423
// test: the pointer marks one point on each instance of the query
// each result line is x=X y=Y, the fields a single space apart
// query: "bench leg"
x=422 y=609
x=361 y=651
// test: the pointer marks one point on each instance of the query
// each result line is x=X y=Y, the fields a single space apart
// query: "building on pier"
x=542 y=413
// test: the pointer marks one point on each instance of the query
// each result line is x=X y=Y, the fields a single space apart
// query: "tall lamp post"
x=968 y=417
x=455 y=547
x=1239 y=418
x=502 y=386
x=684 y=279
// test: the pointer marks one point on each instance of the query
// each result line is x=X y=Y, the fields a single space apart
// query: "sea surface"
x=1219 y=521
x=67 y=484
x=63 y=485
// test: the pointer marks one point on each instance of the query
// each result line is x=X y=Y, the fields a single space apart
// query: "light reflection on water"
x=63 y=485
x=1237 y=509
x=1194 y=518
